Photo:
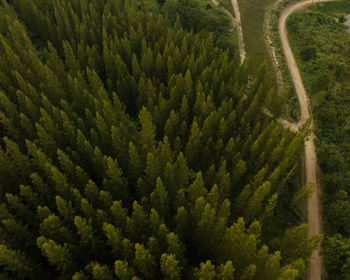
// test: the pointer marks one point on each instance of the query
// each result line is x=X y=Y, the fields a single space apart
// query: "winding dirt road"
x=315 y=269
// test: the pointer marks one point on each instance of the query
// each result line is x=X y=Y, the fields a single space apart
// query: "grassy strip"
x=253 y=17
x=260 y=18
x=287 y=92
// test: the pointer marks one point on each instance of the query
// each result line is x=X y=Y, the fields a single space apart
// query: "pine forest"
x=135 y=145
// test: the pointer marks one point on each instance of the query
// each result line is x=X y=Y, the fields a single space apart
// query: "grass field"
x=252 y=17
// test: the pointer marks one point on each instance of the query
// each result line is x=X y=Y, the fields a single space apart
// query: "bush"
x=307 y=53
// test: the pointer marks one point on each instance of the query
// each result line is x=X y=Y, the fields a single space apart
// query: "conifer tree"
x=132 y=146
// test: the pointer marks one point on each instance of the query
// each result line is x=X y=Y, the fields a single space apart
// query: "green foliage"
x=15 y=261
x=170 y=268
x=324 y=48
x=253 y=18
x=342 y=19
x=336 y=256
x=301 y=197
x=308 y=53
x=200 y=15
x=127 y=142
x=227 y=4
x=58 y=255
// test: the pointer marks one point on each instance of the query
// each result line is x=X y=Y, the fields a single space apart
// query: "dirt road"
x=315 y=269
x=239 y=28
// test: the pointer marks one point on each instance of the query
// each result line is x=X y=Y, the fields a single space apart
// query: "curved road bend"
x=315 y=269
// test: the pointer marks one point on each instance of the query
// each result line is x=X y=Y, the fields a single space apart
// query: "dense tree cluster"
x=134 y=149
x=325 y=50
x=199 y=15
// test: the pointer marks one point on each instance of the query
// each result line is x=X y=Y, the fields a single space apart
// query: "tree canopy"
x=132 y=147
